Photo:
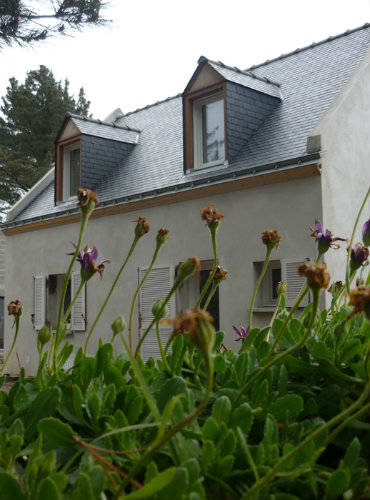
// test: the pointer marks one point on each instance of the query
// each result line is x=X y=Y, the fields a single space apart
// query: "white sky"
x=152 y=47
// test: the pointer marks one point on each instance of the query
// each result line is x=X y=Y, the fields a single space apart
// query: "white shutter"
x=294 y=282
x=39 y=300
x=79 y=308
x=156 y=286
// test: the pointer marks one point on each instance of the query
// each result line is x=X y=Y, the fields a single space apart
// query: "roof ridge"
x=314 y=44
x=101 y=122
x=238 y=70
x=152 y=105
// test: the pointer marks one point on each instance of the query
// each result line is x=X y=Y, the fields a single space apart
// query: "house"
x=273 y=146
x=2 y=289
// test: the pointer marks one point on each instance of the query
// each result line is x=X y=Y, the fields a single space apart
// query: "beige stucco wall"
x=2 y=263
x=290 y=207
x=345 y=141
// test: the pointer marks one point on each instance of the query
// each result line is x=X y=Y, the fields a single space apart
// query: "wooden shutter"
x=294 y=282
x=156 y=286
x=39 y=301
x=78 y=313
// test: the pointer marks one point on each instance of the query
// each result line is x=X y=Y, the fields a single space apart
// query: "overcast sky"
x=151 y=48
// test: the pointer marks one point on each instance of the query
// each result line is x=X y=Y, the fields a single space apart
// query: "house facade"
x=272 y=147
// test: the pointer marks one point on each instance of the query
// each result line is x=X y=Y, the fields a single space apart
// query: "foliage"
x=286 y=418
x=32 y=114
x=27 y=22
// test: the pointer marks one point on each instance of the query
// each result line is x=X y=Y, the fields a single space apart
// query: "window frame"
x=192 y=101
x=63 y=168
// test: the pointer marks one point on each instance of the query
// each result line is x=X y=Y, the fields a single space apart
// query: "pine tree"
x=32 y=116
x=26 y=22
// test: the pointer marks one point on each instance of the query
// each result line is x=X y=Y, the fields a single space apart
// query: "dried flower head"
x=359 y=298
x=366 y=233
x=325 y=238
x=85 y=196
x=359 y=255
x=335 y=287
x=316 y=274
x=15 y=309
x=271 y=238
x=220 y=274
x=281 y=287
x=142 y=227
x=211 y=215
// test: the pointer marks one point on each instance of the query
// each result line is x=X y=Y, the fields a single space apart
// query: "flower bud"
x=281 y=287
x=271 y=238
x=142 y=227
x=118 y=325
x=366 y=233
x=162 y=236
x=219 y=275
x=187 y=268
x=44 y=335
x=87 y=201
x=359 y=255
x=159 y=309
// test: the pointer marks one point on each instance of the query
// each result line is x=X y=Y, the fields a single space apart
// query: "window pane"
x=213 y=133
x=74 y=175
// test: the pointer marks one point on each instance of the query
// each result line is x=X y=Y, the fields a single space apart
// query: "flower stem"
x=17 y=322
x=263 y=272
x=135 y=297
x=214 y=267
x=110 y=292
x=164 y=361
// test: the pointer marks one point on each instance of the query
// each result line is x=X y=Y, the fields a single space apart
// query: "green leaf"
x=170 y=388
x=350 y=349
x=82 y=488
x=44 y=405
x=243 y=418
x=10 y=488
x=193 y=468
x=157 y=484
x=208 y=454
x=210 y=429
x=351 y=456
x=56 y=432
x=219 y=363
x=248 y=342
x=104 y=358
x=338 y=482
x=94 y=406
x=135 y=409
x=320 y=351
x=289 y=404
x=48 y=490
x=221 y=409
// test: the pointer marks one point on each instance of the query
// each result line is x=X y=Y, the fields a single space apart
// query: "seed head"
x=142 y=227
x=15 y=309
x=359 y=298
x=271 y=238
x=316 y=274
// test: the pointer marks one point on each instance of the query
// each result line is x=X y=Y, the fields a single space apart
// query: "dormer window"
x=71 y=170
x=209 y=131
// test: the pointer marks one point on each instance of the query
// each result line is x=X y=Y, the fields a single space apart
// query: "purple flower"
x=87 y=259
x=366 y=233
x=325 y=239
x=242 y=332
x=359 y=255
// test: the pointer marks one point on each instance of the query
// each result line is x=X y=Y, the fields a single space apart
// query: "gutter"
x=195 y=182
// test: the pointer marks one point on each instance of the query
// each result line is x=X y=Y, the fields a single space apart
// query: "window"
x=71 y=170
x=209 y=131
x=1 y=322
x=191 y=288
x=47 y=294
x=284 y=270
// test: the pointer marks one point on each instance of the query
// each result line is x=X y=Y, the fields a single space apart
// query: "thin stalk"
x=110 y=292
x=284 y=354
x=352 y=240
x=214 y=267
x=210 y=295
x=277 y=307
x=157 y=444
x=263 y=272
x=135 y=297
x=17 y=322
x=164 y=361
x=146 y=391
x=65 y=317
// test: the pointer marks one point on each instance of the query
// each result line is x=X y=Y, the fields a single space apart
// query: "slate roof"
x=309 y=79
